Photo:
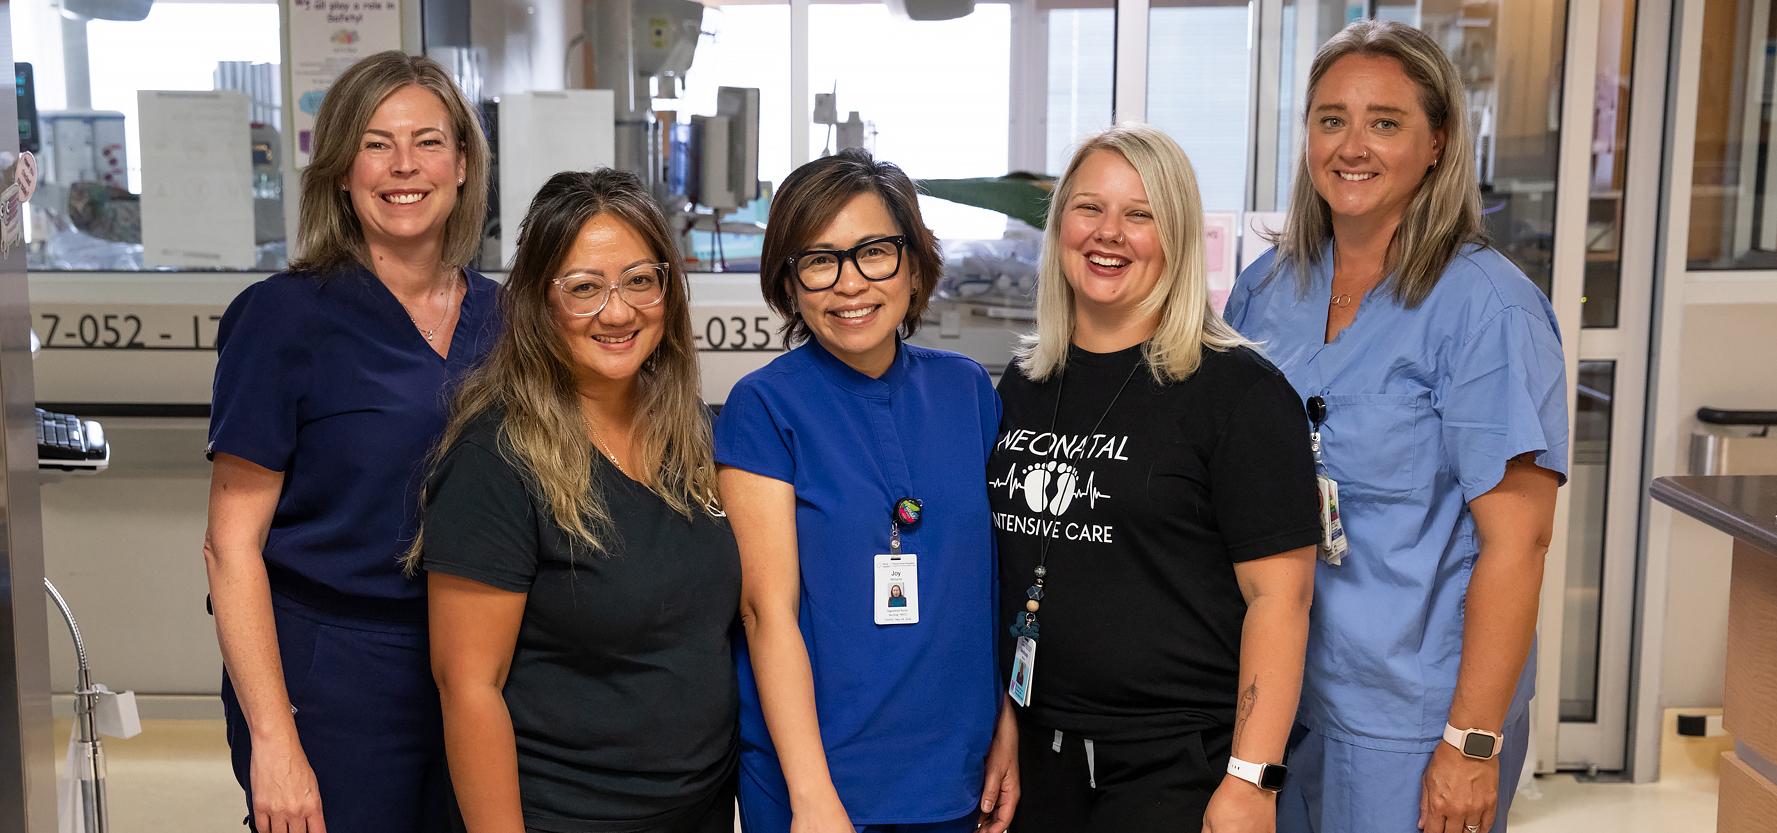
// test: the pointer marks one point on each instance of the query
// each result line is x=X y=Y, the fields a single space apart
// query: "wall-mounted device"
x=30 y=134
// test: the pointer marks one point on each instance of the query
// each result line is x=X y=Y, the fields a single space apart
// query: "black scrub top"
x=622 y=686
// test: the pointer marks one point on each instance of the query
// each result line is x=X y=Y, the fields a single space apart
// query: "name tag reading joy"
x=896 y=589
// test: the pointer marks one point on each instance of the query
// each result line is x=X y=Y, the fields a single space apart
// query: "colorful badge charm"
x=907 y=511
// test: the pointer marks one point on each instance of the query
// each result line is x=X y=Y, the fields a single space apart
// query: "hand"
x=824 y=816
x=1240 y=807
x=999 y=793
x=1458 y=792
x=286 y=798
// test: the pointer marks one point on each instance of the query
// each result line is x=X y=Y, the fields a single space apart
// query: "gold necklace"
x=599 y=440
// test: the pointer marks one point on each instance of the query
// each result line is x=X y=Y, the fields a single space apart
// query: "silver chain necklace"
x=448 y=305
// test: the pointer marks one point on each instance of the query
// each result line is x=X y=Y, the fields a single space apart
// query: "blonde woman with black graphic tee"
x=1154 y=503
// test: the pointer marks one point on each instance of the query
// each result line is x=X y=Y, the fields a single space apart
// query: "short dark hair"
x=810 y=198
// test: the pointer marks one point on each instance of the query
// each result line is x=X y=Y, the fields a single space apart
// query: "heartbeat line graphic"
x=1050 y=487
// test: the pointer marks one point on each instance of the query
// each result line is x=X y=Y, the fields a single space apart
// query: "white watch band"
x=1244 y=770
x=1456 y=737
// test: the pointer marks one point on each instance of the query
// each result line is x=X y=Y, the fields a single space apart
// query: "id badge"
x=896 y=589
x=1333 y=544
x=1024 y=671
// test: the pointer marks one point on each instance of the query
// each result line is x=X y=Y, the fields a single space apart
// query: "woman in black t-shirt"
x=583 y=581
x=1154 y=500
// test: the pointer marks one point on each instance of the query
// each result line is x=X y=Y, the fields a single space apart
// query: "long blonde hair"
x=528 y=378
x=1443 y=216
x=1181 y=296
x=328 y=234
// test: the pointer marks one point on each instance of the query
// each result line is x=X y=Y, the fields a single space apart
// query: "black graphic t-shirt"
x=1146 y=499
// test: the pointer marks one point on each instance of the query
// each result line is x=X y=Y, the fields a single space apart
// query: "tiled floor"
x=175 y=778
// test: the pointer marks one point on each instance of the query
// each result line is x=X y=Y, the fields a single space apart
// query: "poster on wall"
x=325 y=37
x=1218 y=255
x=197 y=208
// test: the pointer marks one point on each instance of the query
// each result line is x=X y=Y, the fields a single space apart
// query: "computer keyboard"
x=67 y=442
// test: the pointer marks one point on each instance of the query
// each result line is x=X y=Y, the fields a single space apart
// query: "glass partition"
x=86 y=76
x=1199 y=82
x=1733 y=219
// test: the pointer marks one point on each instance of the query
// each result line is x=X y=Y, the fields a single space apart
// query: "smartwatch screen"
x=1271 y=776
x=1477 y=745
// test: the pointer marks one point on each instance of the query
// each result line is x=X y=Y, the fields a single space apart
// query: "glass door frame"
x=1602 y=744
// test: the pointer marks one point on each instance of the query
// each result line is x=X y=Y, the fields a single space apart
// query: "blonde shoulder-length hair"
x=1188 y=323
x=1443 y=216
x=528 y=379
x=328 y=234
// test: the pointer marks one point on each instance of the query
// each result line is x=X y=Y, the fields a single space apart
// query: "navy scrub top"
x=327 y=380
x=906 y=711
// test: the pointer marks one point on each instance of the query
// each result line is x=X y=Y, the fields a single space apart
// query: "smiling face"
x=1110 y=244
x=856 y=319
x=404 y=179
x=610 y=347
x=1370 y=142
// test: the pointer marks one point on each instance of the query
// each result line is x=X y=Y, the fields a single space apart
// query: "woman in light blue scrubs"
x=1434 y=370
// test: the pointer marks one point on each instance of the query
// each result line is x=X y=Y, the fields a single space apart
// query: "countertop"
x=1742 y=506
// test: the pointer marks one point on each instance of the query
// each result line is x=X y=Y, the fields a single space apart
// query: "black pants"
x=1116 y=787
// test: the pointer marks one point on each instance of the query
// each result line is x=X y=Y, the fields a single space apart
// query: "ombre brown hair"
x=528 y=379
x=810 y=198
x=1444 y=215
x=328 y=234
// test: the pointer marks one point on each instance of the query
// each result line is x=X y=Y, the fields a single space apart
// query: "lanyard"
x=1024 y=624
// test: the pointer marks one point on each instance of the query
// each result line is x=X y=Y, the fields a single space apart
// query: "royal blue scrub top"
x=327 y=380
x=1424 y=408
x=906 y=711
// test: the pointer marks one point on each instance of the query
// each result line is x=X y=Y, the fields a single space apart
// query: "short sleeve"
x=262 y=369
x=750 y=437
x=480 y=523
x=1235 y=311
x=1262 y=474
x=1505 y=395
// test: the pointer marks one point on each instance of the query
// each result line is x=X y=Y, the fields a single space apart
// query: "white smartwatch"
x=1268 y=777
x=1479 y=744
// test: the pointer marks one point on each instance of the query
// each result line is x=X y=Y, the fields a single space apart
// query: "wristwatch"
x=1268 y=777
x=1479 y=744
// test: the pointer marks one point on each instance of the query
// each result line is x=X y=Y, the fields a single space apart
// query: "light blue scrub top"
x=1424 y=408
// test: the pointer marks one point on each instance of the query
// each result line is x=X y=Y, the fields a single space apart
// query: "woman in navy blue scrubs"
x=330 y=389
x=855 y=712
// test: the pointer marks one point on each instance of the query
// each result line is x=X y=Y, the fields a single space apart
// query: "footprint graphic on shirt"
x=1066 y=478
x=1036 y=487
x=1051 y=475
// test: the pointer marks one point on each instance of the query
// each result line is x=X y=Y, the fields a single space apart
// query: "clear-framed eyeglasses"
x=641 y=287
x=877 y=260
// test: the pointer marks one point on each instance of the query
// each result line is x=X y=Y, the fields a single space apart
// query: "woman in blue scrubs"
x=1433 y=370
x=330 y=389
x=851 y=464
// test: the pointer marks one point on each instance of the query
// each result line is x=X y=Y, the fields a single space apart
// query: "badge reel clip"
x=1333 y=544
x=895 y=596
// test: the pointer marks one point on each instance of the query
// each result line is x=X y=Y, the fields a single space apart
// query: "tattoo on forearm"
x=1248 y=697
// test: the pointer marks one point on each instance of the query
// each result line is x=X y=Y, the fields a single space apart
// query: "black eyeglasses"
x=876 y=260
